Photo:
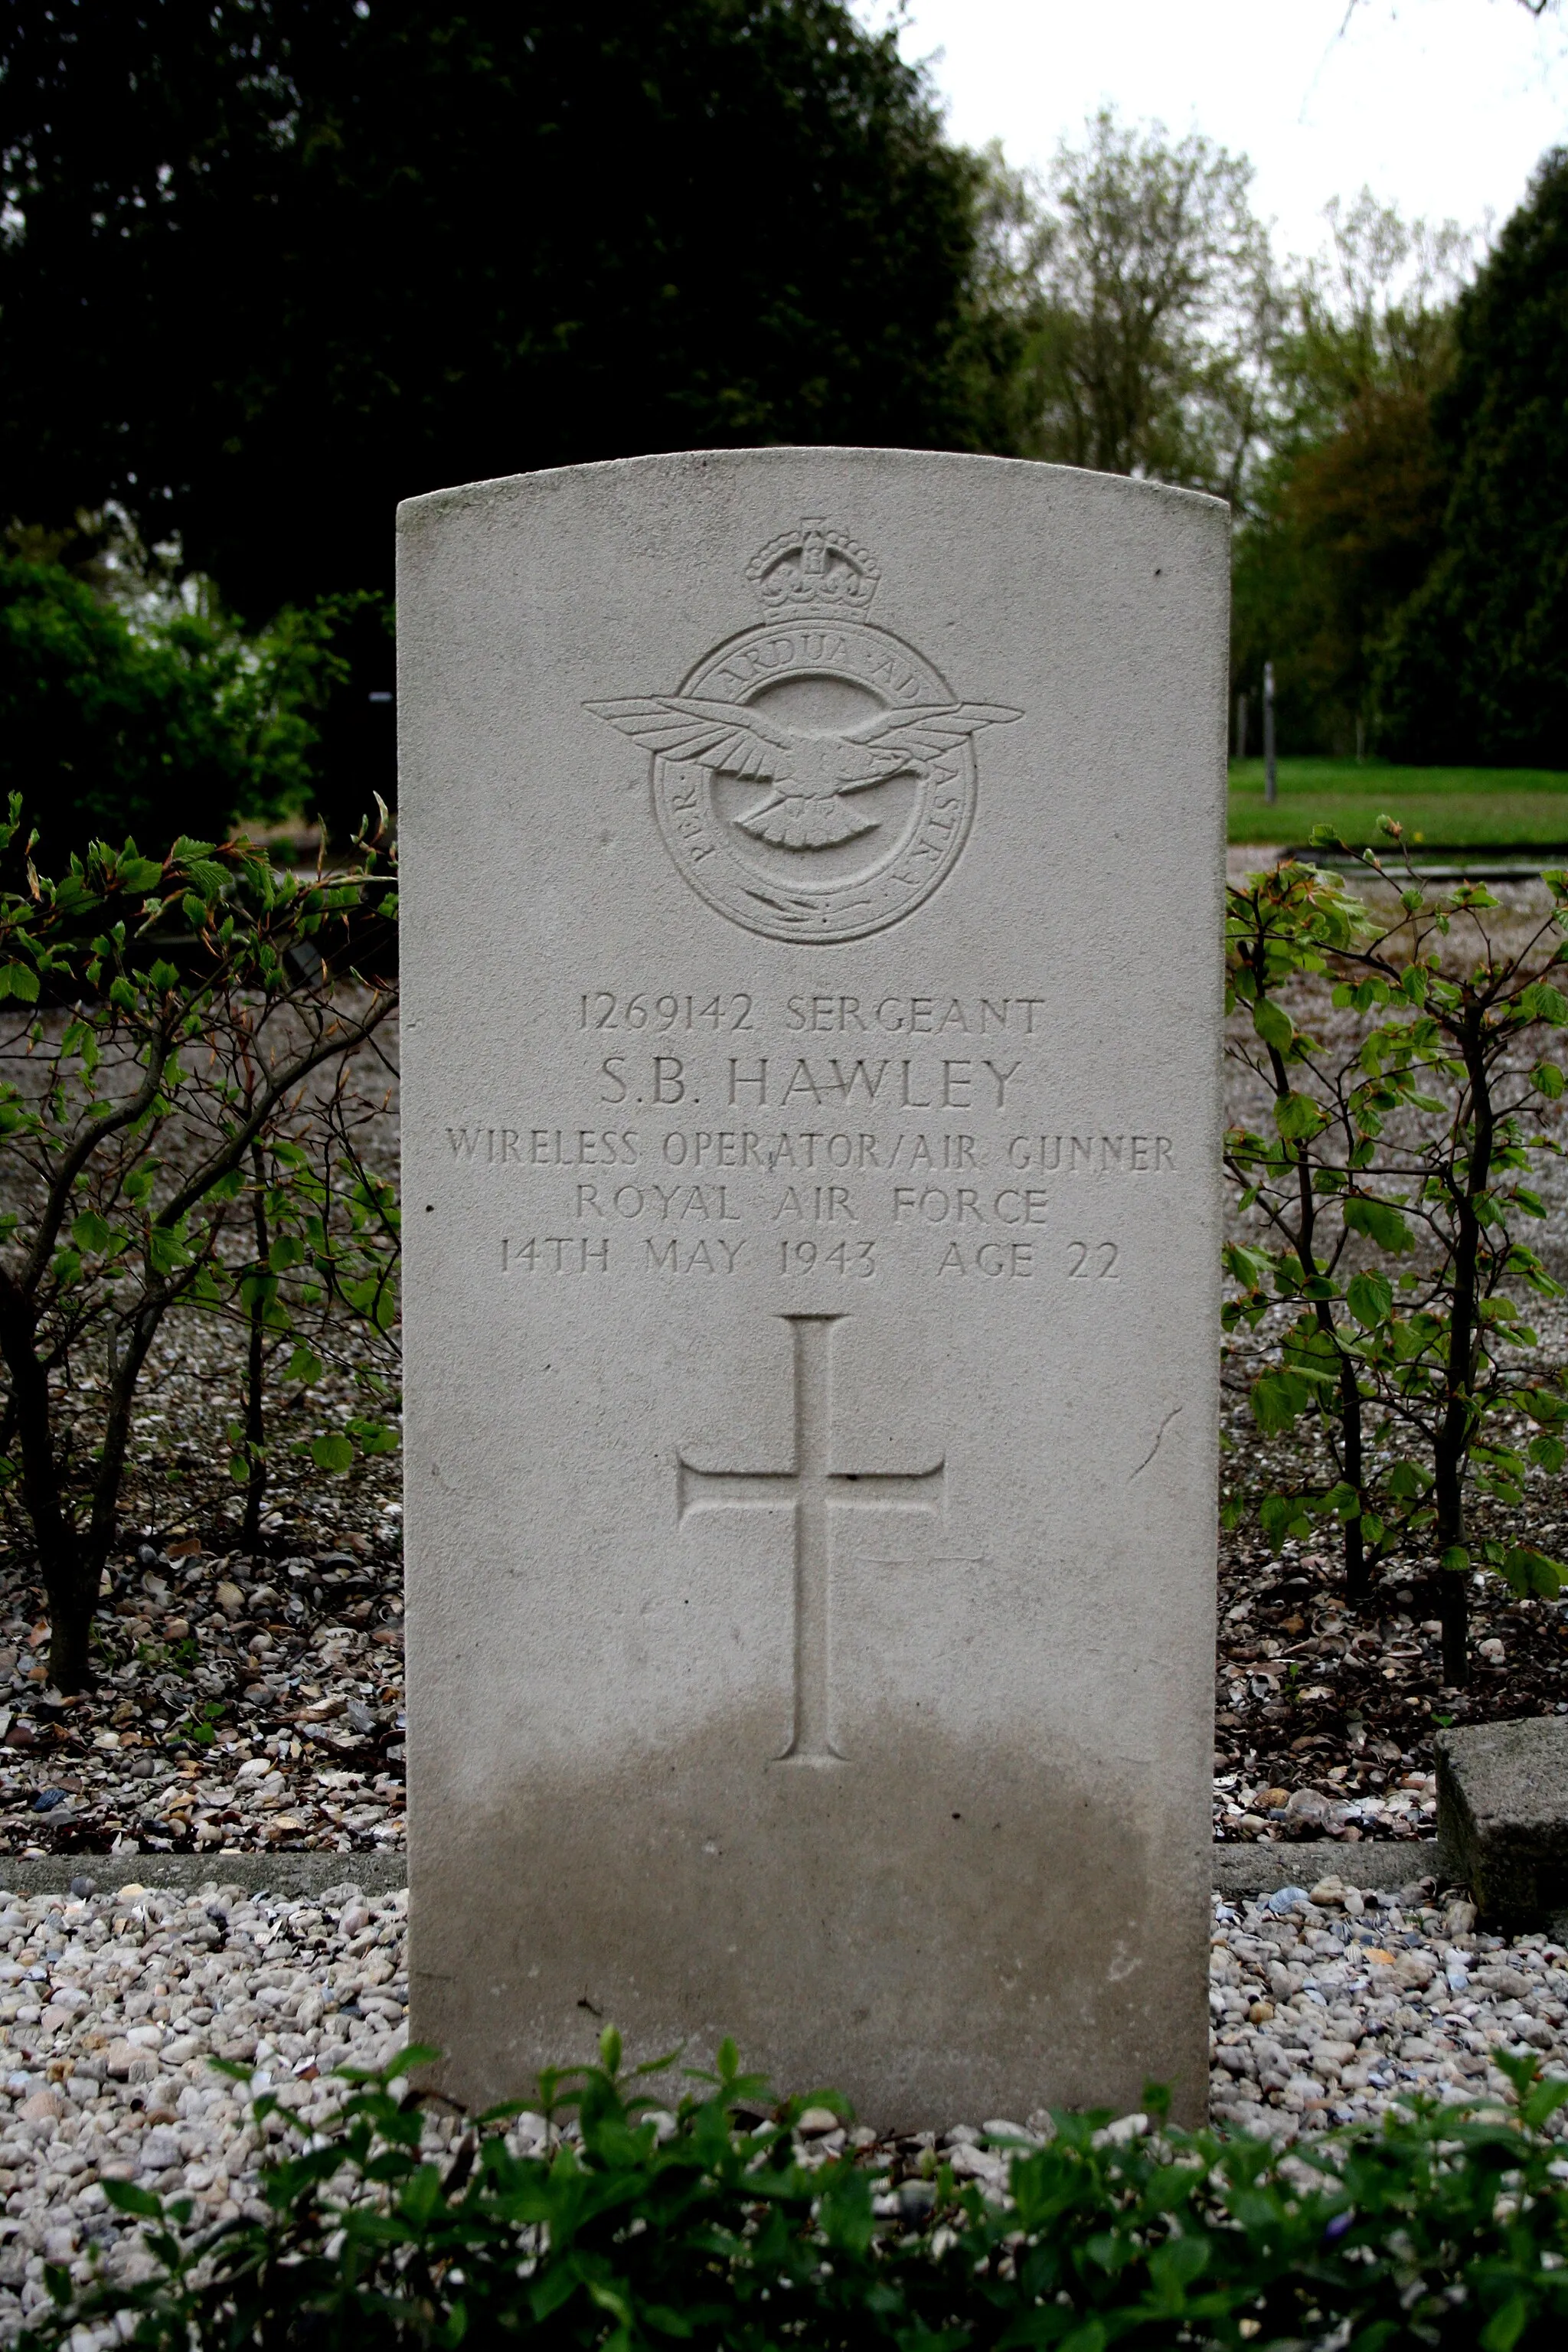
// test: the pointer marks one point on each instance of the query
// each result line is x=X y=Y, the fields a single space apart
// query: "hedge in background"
x=1475 y=665
x=169 y=725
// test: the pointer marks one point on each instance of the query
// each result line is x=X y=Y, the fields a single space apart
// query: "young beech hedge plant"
x=700 y=2227
x=1411 y=1098
x=169 y=1028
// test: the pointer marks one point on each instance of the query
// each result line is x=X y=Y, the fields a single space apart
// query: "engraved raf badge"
x=814 y=777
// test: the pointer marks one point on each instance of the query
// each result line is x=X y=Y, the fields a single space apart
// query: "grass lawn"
x=1460 y=808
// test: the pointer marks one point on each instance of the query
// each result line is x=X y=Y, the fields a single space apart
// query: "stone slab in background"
x=811 y=873
x=1502 y=1815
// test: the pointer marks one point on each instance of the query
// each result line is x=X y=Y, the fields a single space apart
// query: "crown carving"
x=813 y=570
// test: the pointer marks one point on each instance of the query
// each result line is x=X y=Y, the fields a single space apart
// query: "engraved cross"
x=813 y=1490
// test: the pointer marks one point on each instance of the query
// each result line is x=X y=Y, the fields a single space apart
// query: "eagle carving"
x=809 y=775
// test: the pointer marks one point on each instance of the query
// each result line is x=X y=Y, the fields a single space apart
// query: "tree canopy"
x=268 y=266
x=1476 y=665
x=1138 y=288
x=275 y=263
x=1343 y=515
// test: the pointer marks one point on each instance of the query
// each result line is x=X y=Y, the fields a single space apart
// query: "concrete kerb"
x=1238 y=1870
x=1372 y=1866
x=290 y=1875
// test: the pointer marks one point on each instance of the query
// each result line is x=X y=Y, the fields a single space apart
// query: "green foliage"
x=1475 y=665
x=1447 y=2227
x=168 y=722
x=1345 y=518
x=281 y=258
x=1393 y=1205
x=196 y=1078
x=1136 y=285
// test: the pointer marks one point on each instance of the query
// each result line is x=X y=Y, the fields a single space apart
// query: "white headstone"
x=811 y=944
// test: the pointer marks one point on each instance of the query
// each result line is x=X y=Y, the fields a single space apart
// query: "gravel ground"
x=246 y=1699
x=245 y=1702
x=1326 y=2009
x=1327 y=2006
x=110 y=2010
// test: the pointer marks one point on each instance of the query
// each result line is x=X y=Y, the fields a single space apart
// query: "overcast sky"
x=1441 y=105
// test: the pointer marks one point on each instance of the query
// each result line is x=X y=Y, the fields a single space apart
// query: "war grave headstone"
x=811 y=948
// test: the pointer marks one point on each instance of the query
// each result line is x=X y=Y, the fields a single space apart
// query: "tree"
x=199 y=1015
x=1345 y=514
x=1142 y=295
x=1475 y=663
x=276 y=264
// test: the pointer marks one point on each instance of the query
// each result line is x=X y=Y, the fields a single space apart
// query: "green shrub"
x=170 y=725
x=183 y=1138
x=1444 y=2228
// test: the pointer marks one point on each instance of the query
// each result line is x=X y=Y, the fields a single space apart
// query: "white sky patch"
x=1441 y=106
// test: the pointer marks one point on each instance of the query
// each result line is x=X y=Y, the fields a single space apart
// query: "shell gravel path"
x=109 y=2011
x=1327 y=2007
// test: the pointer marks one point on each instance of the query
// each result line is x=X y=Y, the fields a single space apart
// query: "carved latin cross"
x=814 y=1490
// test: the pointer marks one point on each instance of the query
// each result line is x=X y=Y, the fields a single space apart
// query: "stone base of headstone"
x=1502 y=1817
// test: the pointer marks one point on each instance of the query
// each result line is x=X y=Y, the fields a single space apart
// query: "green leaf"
x=1299 y=1117
x=1548 y=1453
x=126 y=2198
x=1531 y=1574
x=1379 y=1221
x=91 y=1231
x=1273 y=1024
x=1504 y=2329
x=1456 y=1560
x=1541 y=1002
x=1370 y=1298
x=1250 y=1268
x=1276 y=1399
x=374 y=1438
x=334 y=1453
x=1280 y=1515
x=19 y=979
